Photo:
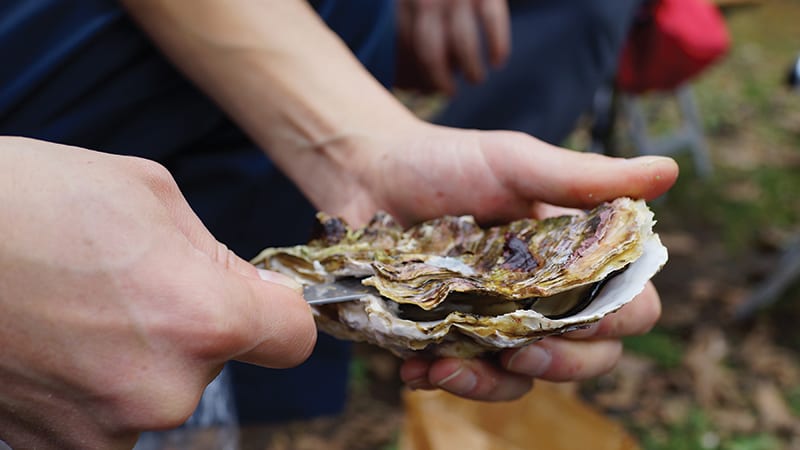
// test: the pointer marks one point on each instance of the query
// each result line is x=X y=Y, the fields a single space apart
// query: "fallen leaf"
x=773 y=411
x=627 y=380
x=713 y=383
x=674 y=410
x=731 y=421
x=760 y=354
x=679 y=242
x=702 y=289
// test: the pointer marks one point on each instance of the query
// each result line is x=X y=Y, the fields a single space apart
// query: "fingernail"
x=648 y=160
x=584 y=332
x=532 y=360
x=417 y=383
x=462 y=381
x=278 y=278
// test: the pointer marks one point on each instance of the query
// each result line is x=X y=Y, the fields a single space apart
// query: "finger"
x=414 y=373
x=279 y=329
x=495 y=20
x=637 y=317
x=477 y=379
x=234 y=316
x=405 y=20
x=569 y=178
x=464 y=40
x=260 y=318
x=557 y=359
x=275 y=323
x=430 y=46
x=541 y=210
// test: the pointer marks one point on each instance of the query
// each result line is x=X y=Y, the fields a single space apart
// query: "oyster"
x=447 y=287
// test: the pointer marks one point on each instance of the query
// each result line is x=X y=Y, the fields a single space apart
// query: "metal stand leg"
x=689 y=136
x=768 y=292
x=603 y=121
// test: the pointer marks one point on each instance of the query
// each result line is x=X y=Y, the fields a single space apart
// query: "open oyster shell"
x=447 y=287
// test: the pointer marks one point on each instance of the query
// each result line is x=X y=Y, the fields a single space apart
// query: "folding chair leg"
x=688 y=136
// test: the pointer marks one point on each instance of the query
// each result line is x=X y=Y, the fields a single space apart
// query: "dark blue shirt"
x=80 y=72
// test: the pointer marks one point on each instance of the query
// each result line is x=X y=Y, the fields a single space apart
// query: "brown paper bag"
x=550 y=417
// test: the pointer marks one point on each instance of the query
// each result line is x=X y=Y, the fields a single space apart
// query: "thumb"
x=189 y=224
x=264 y=318
x=539 y=171
x=278 y=327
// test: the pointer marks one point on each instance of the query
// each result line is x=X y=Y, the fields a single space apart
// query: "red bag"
x=672 y=42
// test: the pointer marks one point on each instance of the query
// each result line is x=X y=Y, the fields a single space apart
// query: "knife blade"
x=342 y=290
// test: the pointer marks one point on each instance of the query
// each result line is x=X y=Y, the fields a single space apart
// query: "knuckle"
x=172 y=413
x=157 y=406
x=523 y=387
x=572 y=369
x=154 y=175
x=608 y=363
x=215 y=334
x=224 y=256
x=648 y=317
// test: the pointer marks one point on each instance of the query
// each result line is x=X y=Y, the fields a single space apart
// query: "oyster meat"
x=447 y=287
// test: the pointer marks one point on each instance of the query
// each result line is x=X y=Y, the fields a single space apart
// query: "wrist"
x=339 y=168
x=281 y=74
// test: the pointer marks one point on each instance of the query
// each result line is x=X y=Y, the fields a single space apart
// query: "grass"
x=659 y=345
x=358 y=377
x=738 y=204
x=697 y=432
x=793 y=398
x=693 y=433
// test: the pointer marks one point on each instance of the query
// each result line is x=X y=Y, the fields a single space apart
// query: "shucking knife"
x=341 y=290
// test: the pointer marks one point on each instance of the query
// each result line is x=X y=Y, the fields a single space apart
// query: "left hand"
x=573 y=356
x=429 y=171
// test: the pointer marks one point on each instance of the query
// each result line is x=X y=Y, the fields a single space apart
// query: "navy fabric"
x=79 y=72
x=562 y=52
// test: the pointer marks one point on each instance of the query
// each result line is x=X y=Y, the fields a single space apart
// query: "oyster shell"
x=447 y=287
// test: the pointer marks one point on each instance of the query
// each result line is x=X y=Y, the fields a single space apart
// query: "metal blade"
x=342 y=290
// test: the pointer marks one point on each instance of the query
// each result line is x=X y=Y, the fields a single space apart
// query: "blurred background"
x=722 y=368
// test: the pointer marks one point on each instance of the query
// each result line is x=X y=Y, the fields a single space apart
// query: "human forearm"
x=278 y=71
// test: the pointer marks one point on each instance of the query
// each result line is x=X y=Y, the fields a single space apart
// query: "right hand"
x=117 y=306
x=439 y=37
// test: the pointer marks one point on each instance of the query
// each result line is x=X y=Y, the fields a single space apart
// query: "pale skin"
x=117 y=306
x=115 y=314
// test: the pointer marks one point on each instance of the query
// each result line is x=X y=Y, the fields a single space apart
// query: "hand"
x=117 y=307
x=418 y=171
x=426 y=171
x=574 y=356
x=353 y=149
x=438 y=37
